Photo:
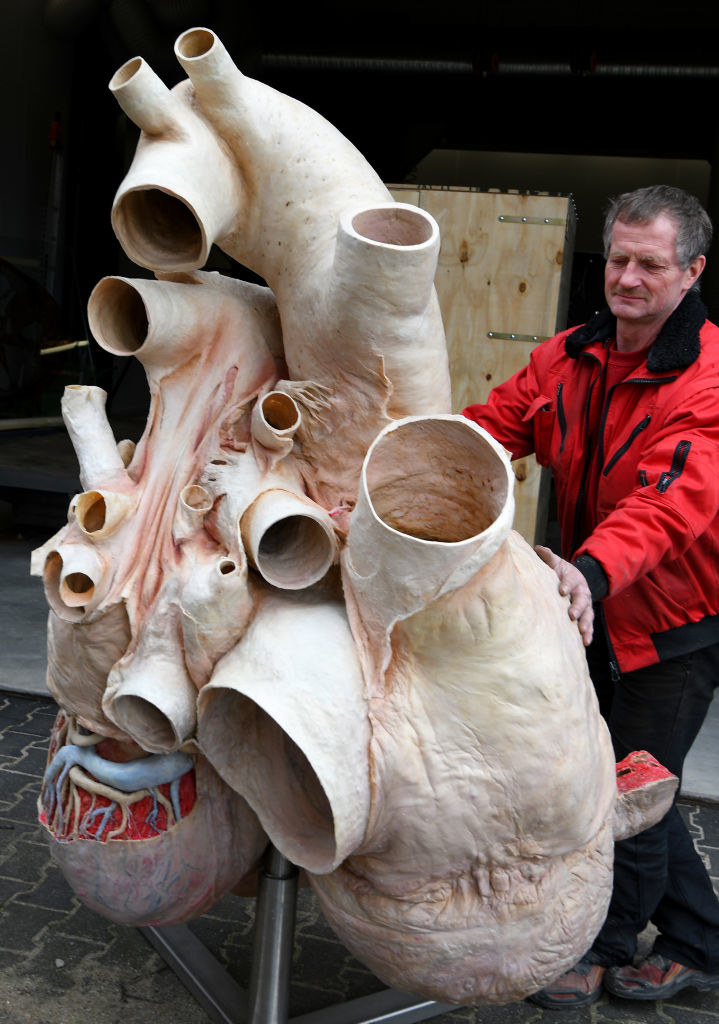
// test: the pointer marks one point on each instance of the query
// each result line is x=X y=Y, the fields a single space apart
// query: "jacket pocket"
x=541 y=414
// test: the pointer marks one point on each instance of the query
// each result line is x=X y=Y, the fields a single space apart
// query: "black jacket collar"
x=676 y=346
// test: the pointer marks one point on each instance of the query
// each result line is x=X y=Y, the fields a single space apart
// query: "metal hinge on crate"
x=502 y=336
x=558 y=222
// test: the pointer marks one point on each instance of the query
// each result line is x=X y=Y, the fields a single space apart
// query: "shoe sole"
x=569 y=1003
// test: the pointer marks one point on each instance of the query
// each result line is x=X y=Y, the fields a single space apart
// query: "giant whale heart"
x=296 y=610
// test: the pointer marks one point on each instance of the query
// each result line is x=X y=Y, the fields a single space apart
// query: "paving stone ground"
x=61 y=963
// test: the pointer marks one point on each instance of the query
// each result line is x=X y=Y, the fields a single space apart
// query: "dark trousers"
x=658 y=875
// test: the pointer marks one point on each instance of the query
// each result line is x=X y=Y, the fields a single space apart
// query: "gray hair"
x=694 y=228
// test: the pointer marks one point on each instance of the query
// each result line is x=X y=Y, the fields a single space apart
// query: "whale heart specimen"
x=296 y=611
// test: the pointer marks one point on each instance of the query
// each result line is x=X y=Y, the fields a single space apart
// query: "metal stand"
x=267 y=1001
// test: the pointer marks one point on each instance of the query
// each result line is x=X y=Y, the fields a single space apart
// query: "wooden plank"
x=405 y=194
x=500 y=273
x=495 y=277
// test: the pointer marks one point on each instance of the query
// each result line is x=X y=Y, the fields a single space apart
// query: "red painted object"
x=640 y=769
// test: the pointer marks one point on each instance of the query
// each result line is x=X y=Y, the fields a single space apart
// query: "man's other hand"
x=573 y=585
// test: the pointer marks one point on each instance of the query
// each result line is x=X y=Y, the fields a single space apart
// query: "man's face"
x=643 y=282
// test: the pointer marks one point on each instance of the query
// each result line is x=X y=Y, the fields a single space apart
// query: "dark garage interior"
x=529 y=96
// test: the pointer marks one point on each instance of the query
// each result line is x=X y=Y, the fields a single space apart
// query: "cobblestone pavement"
x=61 y=963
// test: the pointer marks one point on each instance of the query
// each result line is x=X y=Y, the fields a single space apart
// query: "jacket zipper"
x=614 y=673
x=587 y=458
x=585 y=469
x=677 y=467
x=561 y=416
x=640 y=426
x=627 y=444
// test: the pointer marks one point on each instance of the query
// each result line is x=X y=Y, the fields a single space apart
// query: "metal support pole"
x=268 y=999
x=218 y=994
x=273 y=941
x=386 y=1007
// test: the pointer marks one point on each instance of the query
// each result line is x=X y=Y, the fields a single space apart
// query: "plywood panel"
x=501 y=272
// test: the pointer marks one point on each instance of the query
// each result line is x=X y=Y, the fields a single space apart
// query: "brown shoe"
x=580 y=986
x=657 y=978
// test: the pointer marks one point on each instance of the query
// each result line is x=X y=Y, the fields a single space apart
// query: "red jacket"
x=657 y=537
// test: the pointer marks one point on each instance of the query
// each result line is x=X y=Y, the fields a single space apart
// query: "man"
x=625 y=409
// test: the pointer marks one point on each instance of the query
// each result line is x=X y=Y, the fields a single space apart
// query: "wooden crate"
x=503 y=287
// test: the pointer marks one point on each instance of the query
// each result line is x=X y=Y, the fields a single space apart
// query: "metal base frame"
x=267 y=1000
